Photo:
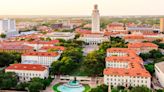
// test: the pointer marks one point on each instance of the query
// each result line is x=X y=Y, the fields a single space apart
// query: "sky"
x=81 y=7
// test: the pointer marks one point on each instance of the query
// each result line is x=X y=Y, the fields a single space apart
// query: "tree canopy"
x=8 y=80
x=140 y=89
x=101 y=88
x=9 y=58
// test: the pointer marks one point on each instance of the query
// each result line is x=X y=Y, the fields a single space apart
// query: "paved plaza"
x=89 y=48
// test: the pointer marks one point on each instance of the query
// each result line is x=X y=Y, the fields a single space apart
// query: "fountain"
x=71 y=86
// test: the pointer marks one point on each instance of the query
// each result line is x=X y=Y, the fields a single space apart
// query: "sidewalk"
x=49 y=88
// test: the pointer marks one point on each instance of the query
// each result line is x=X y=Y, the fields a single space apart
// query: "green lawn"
x=87 y=88
x=55 y=87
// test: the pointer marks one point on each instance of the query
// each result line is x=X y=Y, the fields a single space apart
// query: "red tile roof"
x=140 y=45
x=134 y=37
x=82 y=31
x=124 y=50
x=16 y=47
x=127 y=72
x=48 y=54
x=53 y=47
x=31 y=67
x=44 y=42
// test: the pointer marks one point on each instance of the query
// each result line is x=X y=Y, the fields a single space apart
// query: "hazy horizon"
x=81 y=7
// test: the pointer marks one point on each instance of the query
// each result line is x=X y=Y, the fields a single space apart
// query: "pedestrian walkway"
x=49 y=88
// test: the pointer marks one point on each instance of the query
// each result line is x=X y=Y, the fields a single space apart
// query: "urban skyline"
x=81 y=54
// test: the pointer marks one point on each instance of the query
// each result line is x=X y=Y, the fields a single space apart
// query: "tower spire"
x=95 y=6
x=95 y=20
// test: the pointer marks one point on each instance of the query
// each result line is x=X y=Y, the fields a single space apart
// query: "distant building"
x=61 y=35
x=140 y=29
x=143 y=47
x=26 y=25
x=44 y=29
x=162 y=51
x=161 y=24
x=117 y=27
x=43 y=58
x=38 y=44
x=26 y=72
x=134 y=38
x=57 y=26
x=94 y=38
x=58 y=49
x=8 y=27
x=15 y=48
x=70 y=23
x=159 y=72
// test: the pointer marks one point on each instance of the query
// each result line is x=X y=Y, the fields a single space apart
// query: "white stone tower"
x=95 y=20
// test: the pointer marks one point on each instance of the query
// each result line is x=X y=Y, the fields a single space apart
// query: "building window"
x=141 y=81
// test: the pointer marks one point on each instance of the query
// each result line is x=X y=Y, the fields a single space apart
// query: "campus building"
x=125 y=68
x=159 y=72
x=26 y=72
x=58 y=49
x=95 y=36
x=37 y=44
x=61 y=35
x=19 y=47
x=43 y=58
x=143 y=47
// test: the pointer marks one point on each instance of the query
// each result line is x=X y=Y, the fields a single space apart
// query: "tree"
x=160 y=45
x=104 y=46
x=8 y=80
x=155 y=54
x=48 y=39
x=35 y=86
x=141 y=89
x=160 y=90
x=94 y=64
x=118 y=42
x=77 y=36
x=150 y=68
x=9 y=58
x=22 y=86
x=31 y=39
x=145 y=56
x=47 y=81
x=41 y=38
x=68 y=65
x=38 y=84
x=3 y=35
x=61 y=40
x=74 y=53
x=101 y=88
x=55 y=67
x=64 y=66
